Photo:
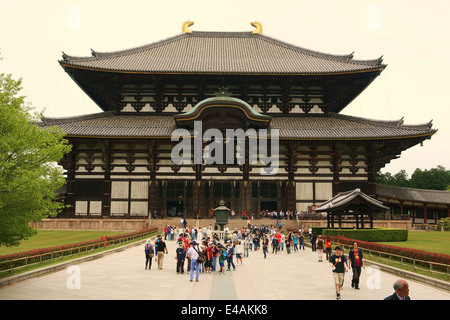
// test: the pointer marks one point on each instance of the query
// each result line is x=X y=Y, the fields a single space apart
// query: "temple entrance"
x=269 y=205
x=174 y=208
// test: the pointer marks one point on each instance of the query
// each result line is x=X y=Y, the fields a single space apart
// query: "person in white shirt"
x=193 y=253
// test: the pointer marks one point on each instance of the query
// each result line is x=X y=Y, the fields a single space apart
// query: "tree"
x=29 y=175
x=400 y=179
x=436 y=178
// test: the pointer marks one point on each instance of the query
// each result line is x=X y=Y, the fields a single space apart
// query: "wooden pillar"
x=290 y=195
x=425 y=215
x=245 y=194
x=336 y=167
x=340 y=220
x=69 y=163
x=153 y=192
x=197 y=200
x=279 y=204
x=106 y=167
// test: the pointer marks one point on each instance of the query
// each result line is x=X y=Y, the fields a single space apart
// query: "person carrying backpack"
x=222 y=254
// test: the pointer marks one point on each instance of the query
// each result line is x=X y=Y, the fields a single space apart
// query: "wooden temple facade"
x=121 y=165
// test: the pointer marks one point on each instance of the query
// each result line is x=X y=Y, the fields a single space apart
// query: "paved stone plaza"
x=121 y=275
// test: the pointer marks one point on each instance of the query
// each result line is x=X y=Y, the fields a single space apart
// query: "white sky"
x=412 y=36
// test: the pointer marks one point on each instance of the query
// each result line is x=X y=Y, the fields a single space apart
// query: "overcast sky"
x=412 y=37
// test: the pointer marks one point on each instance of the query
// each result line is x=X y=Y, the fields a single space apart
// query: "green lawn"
x=431 y=241
x=47 y=238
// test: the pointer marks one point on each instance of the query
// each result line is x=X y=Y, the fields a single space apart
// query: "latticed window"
x=175 y=189
x=268 y=189
x=222 y=190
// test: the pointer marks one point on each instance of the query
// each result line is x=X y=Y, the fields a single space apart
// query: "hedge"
x=370 y=235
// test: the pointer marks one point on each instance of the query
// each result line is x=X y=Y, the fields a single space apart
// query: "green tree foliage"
x=434 y=179
x=400 y=179
x=29 y=175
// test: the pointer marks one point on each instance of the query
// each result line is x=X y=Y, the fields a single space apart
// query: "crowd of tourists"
x=205 y=250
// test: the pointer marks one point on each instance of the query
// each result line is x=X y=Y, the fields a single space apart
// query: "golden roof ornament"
x=258 y=26
x=186 y=25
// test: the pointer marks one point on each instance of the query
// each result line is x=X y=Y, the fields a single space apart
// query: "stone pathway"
x=282 y=276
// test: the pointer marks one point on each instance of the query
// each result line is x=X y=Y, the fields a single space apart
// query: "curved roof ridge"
x=343 y=58
x=58 y=120
x=100 y=55
x=389 y=123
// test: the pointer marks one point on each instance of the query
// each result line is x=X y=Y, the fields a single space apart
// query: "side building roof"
x=413 y=195
x=345 y=200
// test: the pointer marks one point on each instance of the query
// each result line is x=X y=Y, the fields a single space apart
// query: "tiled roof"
x=343 y=199
x=107 y=124
x=332 y=126
x=410 y=194
x=338 y=126
x=221 y=52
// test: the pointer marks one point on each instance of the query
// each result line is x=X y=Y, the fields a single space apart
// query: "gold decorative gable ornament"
x=186 y=25
x=258 y=26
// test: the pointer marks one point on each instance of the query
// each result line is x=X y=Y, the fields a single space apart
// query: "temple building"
x=121 y=163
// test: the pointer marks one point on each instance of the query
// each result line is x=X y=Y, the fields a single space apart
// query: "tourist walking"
x=288 y=244
x=265 y=245
x=356 y=263
x=238 y=249
x=169 y=233
x=301 y=240
x=193 y=254
x=274 y=245
x=328 y=244
x=339 y=266
x=215 y=250
x=222 y=254
x=180 y=257
x=209 y=256
x=160 y=249
x=230 y=254
x=313 y=241
x=319 y=248
x=281 y=241
x=295 y=241
x=149 y=253
x=246 y=246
